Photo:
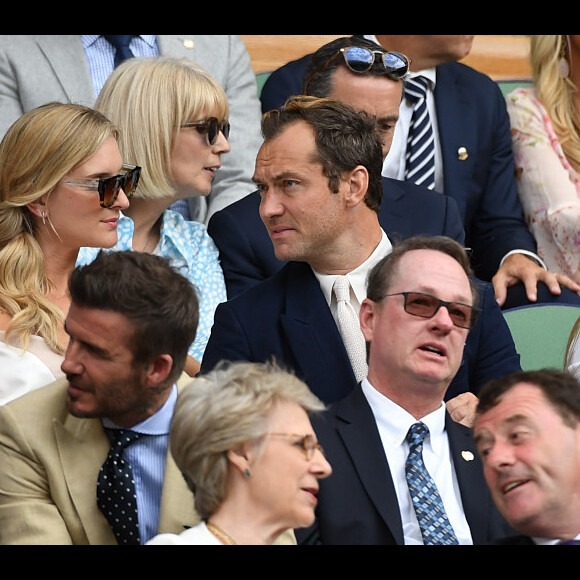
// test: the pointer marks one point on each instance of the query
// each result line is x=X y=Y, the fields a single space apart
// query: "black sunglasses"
x=210 y=128
x=426 y=306
x=360 y=60
x=109 y=187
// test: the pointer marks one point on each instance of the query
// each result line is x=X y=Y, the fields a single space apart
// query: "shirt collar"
x=395 y=421
x=358 y=276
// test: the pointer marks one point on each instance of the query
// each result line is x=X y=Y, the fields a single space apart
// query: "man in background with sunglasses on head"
x=246 y=252
x=319 y=177
x=473 y=161
x=421 y=304
x=36 y=69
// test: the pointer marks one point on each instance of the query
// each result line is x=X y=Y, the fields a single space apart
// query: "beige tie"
x=349 y=328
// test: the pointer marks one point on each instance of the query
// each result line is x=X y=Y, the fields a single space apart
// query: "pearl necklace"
x=221 y=535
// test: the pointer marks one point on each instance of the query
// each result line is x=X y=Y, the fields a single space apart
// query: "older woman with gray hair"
x=243 y=440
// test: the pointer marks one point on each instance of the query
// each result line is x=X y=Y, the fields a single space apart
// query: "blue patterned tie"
x=420 y=157
x=116 y=489
x=121 y=43
x=433 y=521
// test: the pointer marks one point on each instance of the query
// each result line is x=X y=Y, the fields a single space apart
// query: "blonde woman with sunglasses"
x=63 y=185
x=173 y=116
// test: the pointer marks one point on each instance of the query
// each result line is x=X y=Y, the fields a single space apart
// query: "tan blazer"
x=49 y=463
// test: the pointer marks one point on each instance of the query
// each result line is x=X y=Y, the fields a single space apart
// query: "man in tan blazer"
x=131 y=321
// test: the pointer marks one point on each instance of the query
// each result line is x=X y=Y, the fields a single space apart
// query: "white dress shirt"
x=393 y=423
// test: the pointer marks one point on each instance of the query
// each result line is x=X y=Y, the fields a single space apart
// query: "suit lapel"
x=69 y=63
x=177 y=505
x=469 y=470
x=312 y=335
x=358 y=430
x=82 y=447
x=457 y=128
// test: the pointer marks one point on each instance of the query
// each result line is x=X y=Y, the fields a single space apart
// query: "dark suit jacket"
x=471 y=113
x=247 y=254
x=358 y=505
x=287 y=317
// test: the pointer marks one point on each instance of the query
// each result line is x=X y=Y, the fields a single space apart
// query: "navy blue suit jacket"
x=357 y=504
x=247 y=254
x=287 y=317
x=471 y=113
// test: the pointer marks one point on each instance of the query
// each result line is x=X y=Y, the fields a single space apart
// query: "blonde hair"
x=219 y=411
x=555 y=92
x=38 y=150
x=148 y=98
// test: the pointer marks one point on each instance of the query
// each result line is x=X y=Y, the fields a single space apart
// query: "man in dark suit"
x=527 y=431
x=420 y=307
x=246 y=252
x=319 y=174
x=474 y=166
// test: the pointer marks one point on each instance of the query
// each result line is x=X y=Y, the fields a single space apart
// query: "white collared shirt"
x=356 y=277
x=393 y=423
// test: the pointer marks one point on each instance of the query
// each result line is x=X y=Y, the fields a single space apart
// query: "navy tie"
x=121 y=43
x=116 y=489
x=420 y=157
x=433 y=521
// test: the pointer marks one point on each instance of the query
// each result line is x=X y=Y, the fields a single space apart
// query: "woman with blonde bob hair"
x=173 y=117
x=63 y=185
x=241 y=435
x=545 y=123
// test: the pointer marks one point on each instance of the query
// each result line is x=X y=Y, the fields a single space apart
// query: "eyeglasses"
x=360 y=60
x=426 y=306
x=306 y=442
x=109 y=188
x=210 y=128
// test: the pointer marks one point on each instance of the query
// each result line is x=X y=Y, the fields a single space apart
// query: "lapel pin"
x=467 y=455
x=462 y=154
x=188 y=43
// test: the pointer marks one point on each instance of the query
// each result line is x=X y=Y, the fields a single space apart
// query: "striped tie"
x=420 y=158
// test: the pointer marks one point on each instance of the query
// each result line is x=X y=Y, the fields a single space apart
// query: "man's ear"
x=159 y=369
x=367 y=317
x=358 y=182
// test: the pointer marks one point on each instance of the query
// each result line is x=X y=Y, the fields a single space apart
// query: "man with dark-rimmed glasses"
x=319 y=177
x=421 y=306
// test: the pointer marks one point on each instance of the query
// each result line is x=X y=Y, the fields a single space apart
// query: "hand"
x=462 y=408
x=521 y=268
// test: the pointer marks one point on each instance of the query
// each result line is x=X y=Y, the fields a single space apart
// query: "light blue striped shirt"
x=101 y=54
x=147 y=457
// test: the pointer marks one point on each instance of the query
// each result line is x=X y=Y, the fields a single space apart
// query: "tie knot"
x=417 y=433
x=121 y=438
x=416 y=88
x=119 y=40
x=342 y=288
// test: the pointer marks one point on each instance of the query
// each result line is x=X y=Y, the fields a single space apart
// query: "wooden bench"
x=502 y=57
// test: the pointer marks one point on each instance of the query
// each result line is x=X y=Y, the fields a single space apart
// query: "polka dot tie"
x=349 y=328
x=435 y=526
x=116 y=489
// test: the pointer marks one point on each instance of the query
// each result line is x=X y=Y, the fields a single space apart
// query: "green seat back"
x=541 y=333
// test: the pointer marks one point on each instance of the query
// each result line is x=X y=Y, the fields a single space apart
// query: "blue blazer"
x=287 y=317
x=370 y=513
x=247 y=254
x=471 y=113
